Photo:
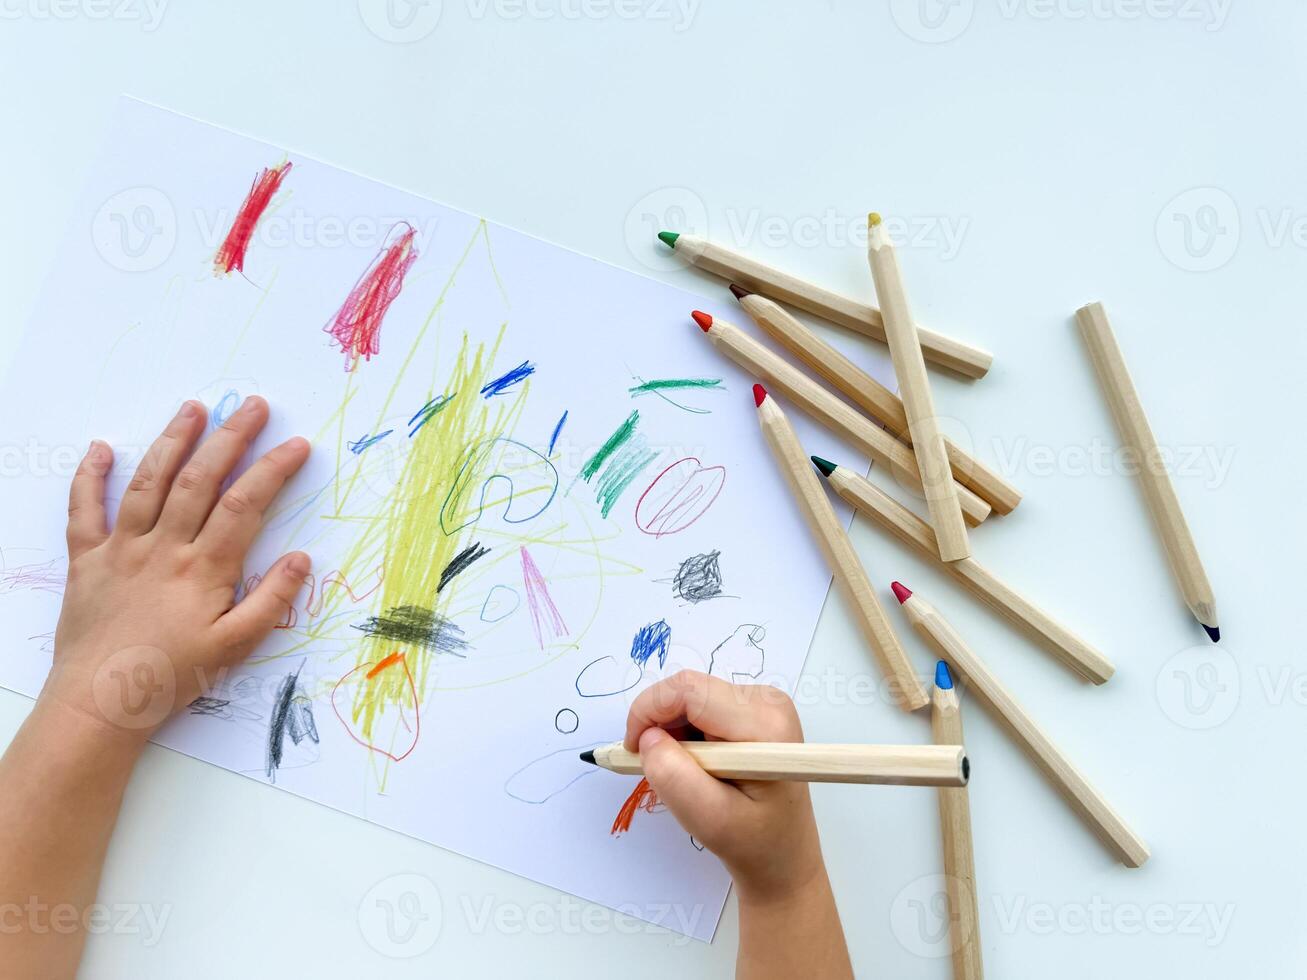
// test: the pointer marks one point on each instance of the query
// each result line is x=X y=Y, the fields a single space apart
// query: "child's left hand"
x=149 y=619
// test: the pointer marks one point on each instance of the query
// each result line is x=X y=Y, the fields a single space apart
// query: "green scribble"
x=614 y=442
x=668 y=384
x=619 y=473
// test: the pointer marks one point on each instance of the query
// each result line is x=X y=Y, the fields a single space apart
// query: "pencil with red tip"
x=844 y=564
x=955 y=827
x=1084 y=799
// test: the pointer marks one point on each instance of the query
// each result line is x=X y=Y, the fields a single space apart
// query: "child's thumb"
x=700 y=803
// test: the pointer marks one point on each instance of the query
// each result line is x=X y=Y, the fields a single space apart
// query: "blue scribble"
x=519 y=505
x=505 y=381
x=226 y=405
x=495 y=608
x=654 y=638
x=359 y=445
x=427 y=412
x=554 y=438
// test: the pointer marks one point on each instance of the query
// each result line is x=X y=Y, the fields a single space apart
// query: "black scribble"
x=695 y=844
x=699 y=578
x=212 y=707
x=459 y=562
x=292 y=714
x=740 y=657
x=567 y=721
x=418 y=626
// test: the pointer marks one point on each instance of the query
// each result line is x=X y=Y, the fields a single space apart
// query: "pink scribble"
x=539 y=602
x=678 y=496
x=231 y=254
x=45 y=576
x=356 y=326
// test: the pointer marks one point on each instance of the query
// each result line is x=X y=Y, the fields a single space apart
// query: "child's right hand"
x=764 y=832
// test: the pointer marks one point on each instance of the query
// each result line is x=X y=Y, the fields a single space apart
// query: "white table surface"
x=1045 y=154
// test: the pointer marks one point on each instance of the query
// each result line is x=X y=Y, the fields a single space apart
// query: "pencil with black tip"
x=871 y=500
x=914 y=388
x=1138 y=437
x=838 y=551
x=955 y=826
x=837 y=415
x=1087 y=802
x=868 y=394
x=809 y=762
x=861 y=317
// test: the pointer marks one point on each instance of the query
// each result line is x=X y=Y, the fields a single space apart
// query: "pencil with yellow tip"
x=955 y=827
x=1086 y=801
x=834 y=542
x=914 y=388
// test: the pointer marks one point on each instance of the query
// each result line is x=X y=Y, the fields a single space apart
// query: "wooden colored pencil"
x=838 y=551
x=914 y=389
x=837 y=415
x=1138 y=437
x=807 y=762
x=955 y=827
x=861 y=317
x=871 y=500
x=1084 y=799
x=868 y=394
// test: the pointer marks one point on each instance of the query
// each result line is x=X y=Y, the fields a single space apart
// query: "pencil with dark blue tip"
x=955 y=826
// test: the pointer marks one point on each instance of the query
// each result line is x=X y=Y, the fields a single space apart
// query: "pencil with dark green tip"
x=848 y=313
x=871 y=500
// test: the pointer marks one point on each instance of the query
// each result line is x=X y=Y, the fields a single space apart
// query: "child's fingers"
x=732 y=712
x=87 y=525
x=238 y=516
x=144 y=496
x=196 y=488
x=255 y=616
x=701 y=803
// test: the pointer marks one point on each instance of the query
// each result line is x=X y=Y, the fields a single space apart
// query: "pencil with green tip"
x=871 y=500
x=914 y=388
x=834 y=542
x=734 y=267
x=1086 y=801
x=955 y=827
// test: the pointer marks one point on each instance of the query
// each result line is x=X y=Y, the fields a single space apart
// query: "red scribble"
x=538 y=600
x=357 y=324
x=318 y=592
x=643 y=798
x=678 y=496
x=231 y=253
x=251 y=583
x=372 y=669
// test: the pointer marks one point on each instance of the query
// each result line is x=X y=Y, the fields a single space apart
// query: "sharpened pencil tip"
x=943 y=679
x=1212 y=631
x=668 y=238
x=824 y=466
x=589 y=756
x=873 y=219
x=901 y=592
x=759 y=395
x=739 y=292
x=703 y=319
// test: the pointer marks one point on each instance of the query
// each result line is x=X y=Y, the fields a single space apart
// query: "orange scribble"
x=383 y=664
x=643 y=798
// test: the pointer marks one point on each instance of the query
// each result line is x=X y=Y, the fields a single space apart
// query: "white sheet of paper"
x=133 y=320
